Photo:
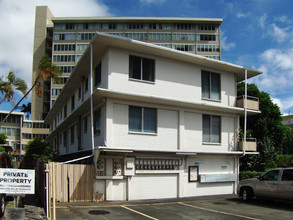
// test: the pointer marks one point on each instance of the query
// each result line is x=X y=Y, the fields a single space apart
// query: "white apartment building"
x=157 y=122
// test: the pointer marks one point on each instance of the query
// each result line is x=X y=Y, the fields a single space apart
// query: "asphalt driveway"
x=212 y=207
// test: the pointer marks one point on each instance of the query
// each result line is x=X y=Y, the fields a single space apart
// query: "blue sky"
x=255 y=33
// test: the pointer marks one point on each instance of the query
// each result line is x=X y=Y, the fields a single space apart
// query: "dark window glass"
x=141 y=68
x=211 y=129
x=210 y=85
x=287 y=175
x=98 y=74
x=142 y=119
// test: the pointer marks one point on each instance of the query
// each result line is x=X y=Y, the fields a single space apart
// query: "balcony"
x=252 y=102
x=250 y=144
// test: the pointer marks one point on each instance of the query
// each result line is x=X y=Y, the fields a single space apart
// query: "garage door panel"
x=153 y=187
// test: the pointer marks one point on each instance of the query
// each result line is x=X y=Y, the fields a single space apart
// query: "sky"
x=257 y=34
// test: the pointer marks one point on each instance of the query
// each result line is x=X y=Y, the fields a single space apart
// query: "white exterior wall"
x=153 y=184
x=177 y=129
x=173 y=79
x=213 y=164
x=165 y=139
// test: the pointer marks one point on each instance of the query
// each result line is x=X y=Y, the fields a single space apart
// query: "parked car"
x=274 y=184
x=5 y=162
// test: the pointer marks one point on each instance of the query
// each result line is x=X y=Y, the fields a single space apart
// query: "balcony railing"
x=252 y=102
x=250 y=144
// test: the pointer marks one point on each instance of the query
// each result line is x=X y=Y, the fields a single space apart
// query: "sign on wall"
x=17 y=181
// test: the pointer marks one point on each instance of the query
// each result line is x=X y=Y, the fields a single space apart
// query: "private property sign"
x=17 y=181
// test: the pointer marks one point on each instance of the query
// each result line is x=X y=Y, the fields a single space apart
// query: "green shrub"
x=284 y=160
x=249 y=174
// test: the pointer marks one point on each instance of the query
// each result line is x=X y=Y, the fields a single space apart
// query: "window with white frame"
x=211 y=129
x=210 y=85
x=142 y=119
x=141 y=68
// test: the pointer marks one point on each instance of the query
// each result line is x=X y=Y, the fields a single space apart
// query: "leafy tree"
x=47 y=71
x=38 y=148
x=266 y=127
x=288 y=143
x=2 y=141
x=8 y=87
x=3 y=138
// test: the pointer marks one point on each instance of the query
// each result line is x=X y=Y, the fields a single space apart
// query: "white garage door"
x=153 y=186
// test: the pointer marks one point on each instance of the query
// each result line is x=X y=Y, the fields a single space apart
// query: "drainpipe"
x=245 y=114
x=92 y=107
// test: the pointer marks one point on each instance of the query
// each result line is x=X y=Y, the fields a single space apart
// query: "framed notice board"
x=193 y=173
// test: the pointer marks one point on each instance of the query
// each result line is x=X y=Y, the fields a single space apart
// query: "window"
x=137 y=36
x=85 y=36
x=85 y=125
x=141 y=68
x=66 y=69
x=184 y=47
x=207 y=37
x=271 y=176
x=211 y=129
x=86 y=85
x=98 y=74
x=210 y=85
x=64 y=58
x=65 y=111
x=142 y=119
x=97 y=122
x=72 y=135
x=65 y=139
x=64 y=47
x=159 y=36
x=79 y=93
x=287 y=175
x=72 y=102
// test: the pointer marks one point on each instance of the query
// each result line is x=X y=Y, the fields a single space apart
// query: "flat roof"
x=138 y=19
x=12 y=113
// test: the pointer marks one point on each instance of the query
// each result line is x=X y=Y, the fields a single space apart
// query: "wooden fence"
x=73 y=182
x=64 y=183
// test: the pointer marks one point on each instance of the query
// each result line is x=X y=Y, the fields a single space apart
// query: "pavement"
x=32 y=208
x=225 y=207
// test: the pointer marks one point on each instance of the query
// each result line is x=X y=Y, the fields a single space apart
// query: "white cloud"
x=280 y=34
x=262 y=20
x=225 y=45
x=16 y=40
x=152 y=1
x=278 y=102
x=241 y=15
x=282 y=19
x=277 y=77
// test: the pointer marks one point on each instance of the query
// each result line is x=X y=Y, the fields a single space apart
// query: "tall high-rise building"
x=65 y=39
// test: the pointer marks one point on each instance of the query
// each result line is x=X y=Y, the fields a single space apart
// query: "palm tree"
x=7 y=88
x=26 y=108
x=47 y=71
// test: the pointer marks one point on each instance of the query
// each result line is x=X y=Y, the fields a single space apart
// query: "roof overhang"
x=175 y=152
x=136 y=19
